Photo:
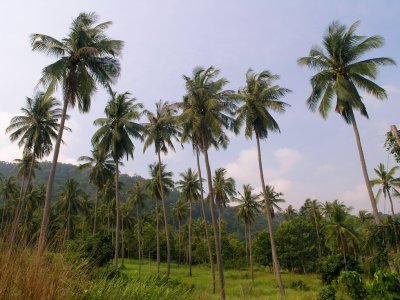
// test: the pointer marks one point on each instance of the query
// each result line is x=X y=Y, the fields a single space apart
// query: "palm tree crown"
x=224 y=187
x=249 y=205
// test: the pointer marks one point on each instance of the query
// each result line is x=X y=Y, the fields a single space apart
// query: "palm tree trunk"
x=394 y=226
x=165 y=217
x=206 y=224
x=138 y=238
x=158 y=238
x=318 y=238
x=117 y=216
x=49 y=188
x=219 y=224
x=365 y=172
x=21 y=207
x=123 y=243
x=215 y=226
x=251 y=257
x=190 y=237
x=269 y=221
x=179 y=242
x=246 y=244
x=95 y=211
x=108 y=218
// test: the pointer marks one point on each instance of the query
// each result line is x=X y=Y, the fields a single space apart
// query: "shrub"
x=327 y=293
x=330 y=267
x=351 y=283
x=299 y=285
x=385 y=286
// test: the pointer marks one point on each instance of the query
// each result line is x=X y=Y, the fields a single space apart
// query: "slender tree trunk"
x=190 y=237
x=165 y=217
x=108 y=218
x=49 y=188
x=251 y=257
x=21 y=207
x=138 y=238
x=219 y=224
x=158 y=238
x=317 y=231
x=246 y=245
x=215 y=226
x=117 y=216
x=365 y=172
x=179 y=242
x=123 y=243
x=269 y=221
x=343 y=249
x=396 y=239
x=95 y=211
x=206 y=224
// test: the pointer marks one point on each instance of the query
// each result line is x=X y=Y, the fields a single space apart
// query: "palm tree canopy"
x=37 y=127
x=260 y=96
x=189 y=185
x=118 y=126
x=224 y=188
x=386 y=180
x=274 y=198
x=86 y=56
x=207 y=109
x=138 y=195
x=341 y=72
x=161 y=128
x=249 y=205
x=24 y=164
x=154 y=184
x=179 y=211
x=101 y=166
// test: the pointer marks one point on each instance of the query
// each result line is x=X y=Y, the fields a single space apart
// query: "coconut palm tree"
x=69 y=205
x=179 y=212
x=101 y=168
x=260 y=97
x=138 y=197
x=248 y=208
x=224 y=189
x=36 y=129
x=207 y=111
x=313 y=208
x=341 y=74
x=274 y=199
x=161 y=130
x=388 y=184
x=114 y=136
x=190 y=192
x=8 y=190
x=84 y=58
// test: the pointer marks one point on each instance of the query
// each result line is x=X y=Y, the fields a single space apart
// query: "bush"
x=351 y=283
x=327 y=293
x=330 y=267
x=299 y=285
x=384 y=286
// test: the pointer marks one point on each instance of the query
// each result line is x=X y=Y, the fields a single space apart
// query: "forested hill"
x=66 y=171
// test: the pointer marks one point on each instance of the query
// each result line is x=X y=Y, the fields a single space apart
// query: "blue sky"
x=165 y=39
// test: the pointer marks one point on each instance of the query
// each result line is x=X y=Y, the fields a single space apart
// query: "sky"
x=311 y=158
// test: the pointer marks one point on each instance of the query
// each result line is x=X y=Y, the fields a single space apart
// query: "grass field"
x=238 y=284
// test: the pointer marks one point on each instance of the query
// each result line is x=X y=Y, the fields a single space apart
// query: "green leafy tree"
x=341 y=74
x=36 y=129
x=115 y=136
x=85 y=57
x=161 y=130
x=260 y=97
x=247 y=211
x=207 y=111
x=190 y=192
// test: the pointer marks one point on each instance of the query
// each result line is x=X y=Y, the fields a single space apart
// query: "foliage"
x=299 y=285
x=385 y=286
x=351 y=283
x=327 y=293
x=262 y=248
x=392 y=146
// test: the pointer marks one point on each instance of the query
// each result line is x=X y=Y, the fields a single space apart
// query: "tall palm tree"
x=190 y=192
x=388 y=184
x=156 y=171
x=36 y=129
x=179 y=212
x=224 y=189
x=84 y=58
x=340 y=74
x=101 y=168
x=247 y=211
x=261 y=97
x=138 y=197
x=160 y=130
x=114 y=136
x=70 y=204
x=313 y=208
x=274 y=199
x=207 y=111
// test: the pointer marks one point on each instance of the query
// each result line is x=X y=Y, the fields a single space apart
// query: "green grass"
x=238 y=284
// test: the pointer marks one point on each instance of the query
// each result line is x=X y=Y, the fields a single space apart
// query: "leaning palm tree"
x=179 y=212
x=224 y=189
x=207 y=111
x=114 y=136
x=36 y=129
x=247 y=211
x=190 y=192
x=160 y=130
x=85 y=57
x=101 y=168
x=341 y=74
x=138 y=197
x=261 y=97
